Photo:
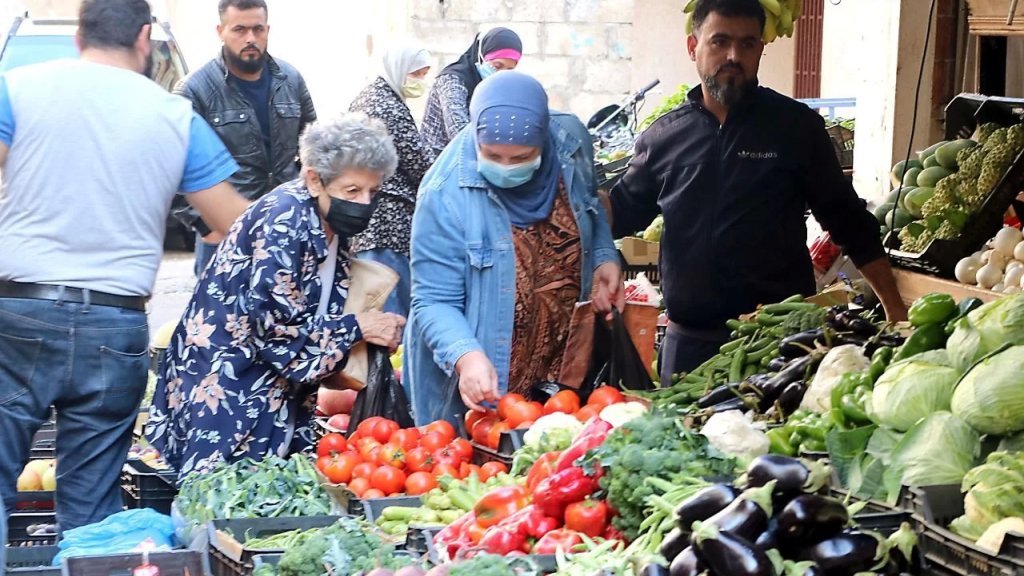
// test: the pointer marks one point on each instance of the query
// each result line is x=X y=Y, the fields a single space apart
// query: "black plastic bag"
x=615 y=359
x=383 y=395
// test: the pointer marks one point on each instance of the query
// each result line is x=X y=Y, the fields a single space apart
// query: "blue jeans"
x=90 y=362
x=204 y=253
x=398 y=302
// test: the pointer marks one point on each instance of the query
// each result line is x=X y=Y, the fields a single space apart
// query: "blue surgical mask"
x=507 y=176
x=485 y=69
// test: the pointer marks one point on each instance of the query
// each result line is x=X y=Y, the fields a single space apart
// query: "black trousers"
x=683 y=350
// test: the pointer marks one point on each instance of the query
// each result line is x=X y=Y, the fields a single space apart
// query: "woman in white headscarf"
x=386 y=240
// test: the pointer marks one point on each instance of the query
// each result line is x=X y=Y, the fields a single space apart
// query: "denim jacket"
x=464 y=266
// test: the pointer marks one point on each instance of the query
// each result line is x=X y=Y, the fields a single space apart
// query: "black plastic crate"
x=42 y=501
x=18 y=525
x=420 y=539
x=31 y=560
x=949 y=553
x=228 y=554
x=170 y=563
x=146 y=487
x=653 y=273
x=44 y=444
x=482 y=455
x=372 y=507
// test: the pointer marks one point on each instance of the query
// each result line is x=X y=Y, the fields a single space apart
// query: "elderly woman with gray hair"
x=265 y=325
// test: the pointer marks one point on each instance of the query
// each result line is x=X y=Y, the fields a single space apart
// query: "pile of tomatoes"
x=380 y=459
x=516 y=412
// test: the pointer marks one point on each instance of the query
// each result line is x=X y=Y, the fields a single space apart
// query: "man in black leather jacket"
x=256 y=104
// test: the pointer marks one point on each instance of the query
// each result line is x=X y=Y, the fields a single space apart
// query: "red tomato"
x=363 y=470
x=383 y=429
x=339 y=471
x=494 y=435
x=466 y=470
x=474 y=416
x=365 y=428
x=332 y=443
x=507 y=401
x=565 y=401
x=446 y=470
x=605 y=396
x=419 y=459
x=375 y=455
x=523 y=412
x=463 y=448
x=589 y=517
x=322 y=462
x=388 y=480
x=481 y=429
x=448 y=456
x=432 y=441
x=587 y=412
x=407 y=438
x=442 y=427
x=420 y=483
x=393 y=455
x=491 y=469
x=364 y=446
x=359 y=485
x=373 y=493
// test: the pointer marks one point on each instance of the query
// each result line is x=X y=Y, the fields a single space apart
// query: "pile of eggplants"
x=774 y=523
x=779 y=391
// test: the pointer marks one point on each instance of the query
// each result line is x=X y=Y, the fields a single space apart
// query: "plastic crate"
x=171 y=563
x=963 y=115
x=44 y=444
x=19 y=522
x=946 y=552
x=261 y=559
x=420 y=539
x=228 y=554
x=31 y=560
x=482 y=455
x=372 y=507
x=842 y=142
x=42 y=501
x=653 y=273
x=146 y=487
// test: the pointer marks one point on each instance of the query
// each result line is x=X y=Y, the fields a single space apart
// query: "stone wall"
x=580 y=49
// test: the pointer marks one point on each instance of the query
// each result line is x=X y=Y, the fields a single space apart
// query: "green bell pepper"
x=853 y=407
x=925 y=338
x=778 y=442
x=879 y=362
x=848 y=399
x=931 y=308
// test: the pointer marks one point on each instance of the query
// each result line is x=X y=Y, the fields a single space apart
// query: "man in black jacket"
x=256 y=104
x=733 y=170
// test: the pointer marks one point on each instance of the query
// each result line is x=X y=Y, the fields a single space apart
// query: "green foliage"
x=667 y=105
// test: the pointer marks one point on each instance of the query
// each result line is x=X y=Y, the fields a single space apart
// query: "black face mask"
x=347 y=218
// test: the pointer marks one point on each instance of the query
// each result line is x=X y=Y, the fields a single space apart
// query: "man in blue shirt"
x=92 y=154
x=256 y=104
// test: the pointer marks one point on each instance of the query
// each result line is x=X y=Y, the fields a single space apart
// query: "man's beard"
x=732 y=90
x=246 y=65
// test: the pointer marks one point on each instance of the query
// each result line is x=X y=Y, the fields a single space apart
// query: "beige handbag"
x=370 y=284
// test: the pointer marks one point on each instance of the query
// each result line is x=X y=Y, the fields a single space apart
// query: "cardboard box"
x=639 y=252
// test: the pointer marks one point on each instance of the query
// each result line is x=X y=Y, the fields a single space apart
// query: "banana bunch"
x=780 y=17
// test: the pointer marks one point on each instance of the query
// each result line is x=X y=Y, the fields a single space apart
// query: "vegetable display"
x=994 y=493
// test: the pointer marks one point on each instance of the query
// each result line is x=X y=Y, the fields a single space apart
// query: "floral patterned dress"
x=243 y=366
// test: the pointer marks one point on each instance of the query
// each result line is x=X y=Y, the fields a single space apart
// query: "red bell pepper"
x=499 y=504
x=589 y=517
x=502 y=540
x=530 y=522
x=592 y=436
x=541 y=469
x=560 y=489
x=454 y=537
x=613 y=533
x=563 y=538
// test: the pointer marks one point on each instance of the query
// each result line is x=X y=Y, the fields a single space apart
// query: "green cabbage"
x=940 y=449
x=986 y=329
x=991 y=396
x=910 y=390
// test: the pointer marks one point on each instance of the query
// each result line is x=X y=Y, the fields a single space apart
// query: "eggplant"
x=718 y=395
x=809 y=519
x=727 y=553
x=704 y=505
x=737 y=403
x=675 y=542
x=845 y=554
x=777 y=363
x=849 y=321
x=789 y=400
x=686 y=563
x=848 y=338
x=747 y=516
x=791 y=476
x=770 y=537
x=654 y=569
x=800 y=344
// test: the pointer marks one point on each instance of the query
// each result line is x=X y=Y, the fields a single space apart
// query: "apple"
x=339 y=422
x=331 y=402
x=49 y=479
x=29 y=481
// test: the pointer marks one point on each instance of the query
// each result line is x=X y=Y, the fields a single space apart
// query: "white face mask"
x=414 y=87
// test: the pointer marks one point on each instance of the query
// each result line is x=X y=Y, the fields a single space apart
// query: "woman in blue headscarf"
x=507 y=236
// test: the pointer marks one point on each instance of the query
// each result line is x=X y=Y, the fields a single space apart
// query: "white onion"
x=967 y=270
x=989 y=275
x=1018 y=251
x=1012 y=290
x=1006 y=240
x=1013 y=275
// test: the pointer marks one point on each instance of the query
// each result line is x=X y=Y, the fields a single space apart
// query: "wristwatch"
x=201 y=228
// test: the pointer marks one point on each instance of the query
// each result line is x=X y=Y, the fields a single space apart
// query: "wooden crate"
x=913 y=285
x=988 y=18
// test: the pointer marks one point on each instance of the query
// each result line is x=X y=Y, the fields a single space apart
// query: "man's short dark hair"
x=729 y=9
x=112 y=23
x=240 y=5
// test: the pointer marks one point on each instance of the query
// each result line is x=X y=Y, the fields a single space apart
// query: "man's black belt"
x=69 y=294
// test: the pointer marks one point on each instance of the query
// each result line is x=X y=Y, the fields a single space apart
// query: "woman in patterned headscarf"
x=508 y=235
x=386 y=240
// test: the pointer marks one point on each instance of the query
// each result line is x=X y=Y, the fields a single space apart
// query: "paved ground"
x=174 y=284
